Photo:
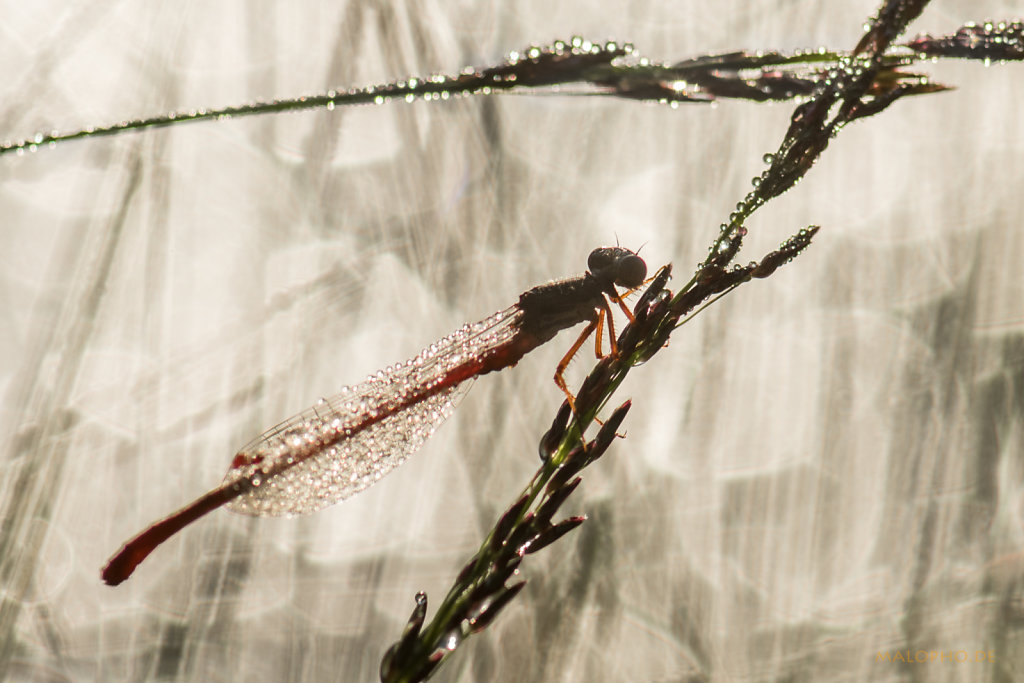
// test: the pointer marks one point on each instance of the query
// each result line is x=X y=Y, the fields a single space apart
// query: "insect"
x=346 y=443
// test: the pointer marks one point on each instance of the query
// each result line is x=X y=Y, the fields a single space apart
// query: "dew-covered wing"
x=345 y=443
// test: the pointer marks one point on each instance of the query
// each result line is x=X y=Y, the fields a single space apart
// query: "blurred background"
x=824 y=466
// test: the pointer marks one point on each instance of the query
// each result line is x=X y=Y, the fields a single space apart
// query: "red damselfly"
x=345 y=443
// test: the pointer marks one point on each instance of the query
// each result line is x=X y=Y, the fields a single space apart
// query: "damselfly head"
x=618 y=265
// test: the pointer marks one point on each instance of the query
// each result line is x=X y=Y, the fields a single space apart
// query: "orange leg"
x=622 y=304
x=567 y=358
x=600 y=331
x=607 y=311
x=597 y=325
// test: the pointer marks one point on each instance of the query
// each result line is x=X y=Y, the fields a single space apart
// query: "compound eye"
x=601 y=259
x=630 y=271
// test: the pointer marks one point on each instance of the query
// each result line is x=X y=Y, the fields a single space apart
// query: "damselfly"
x=345 y=443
